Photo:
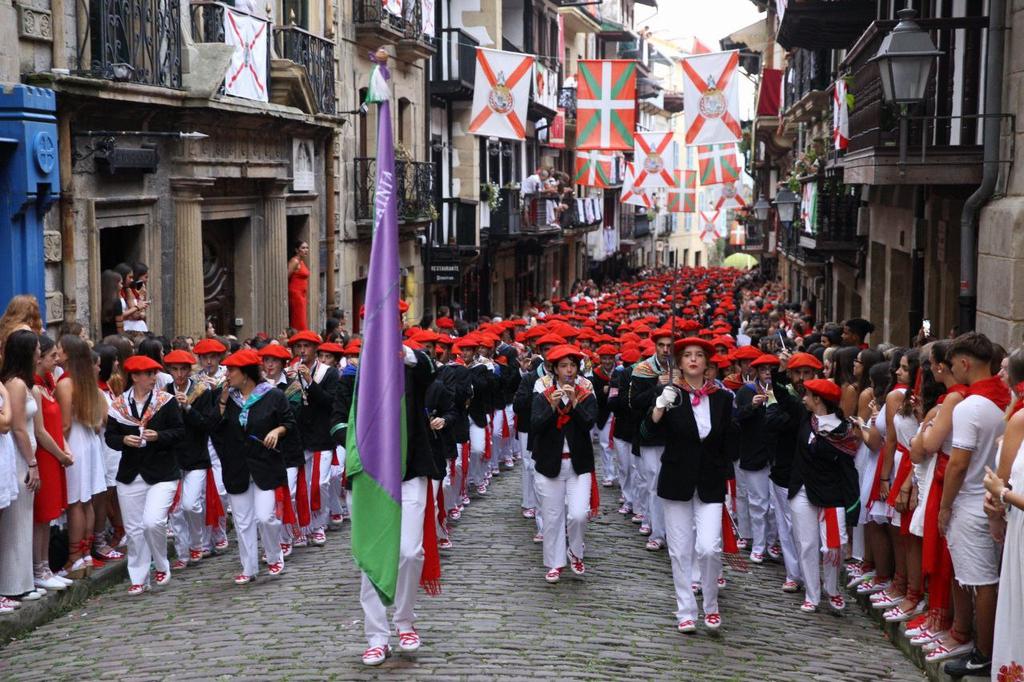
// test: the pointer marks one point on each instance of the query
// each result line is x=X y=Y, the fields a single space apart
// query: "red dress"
x=298 y=292
x=52 y=497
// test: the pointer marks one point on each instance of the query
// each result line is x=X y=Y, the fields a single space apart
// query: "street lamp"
x=905 y=60
x=761 y=208
x=786 y=201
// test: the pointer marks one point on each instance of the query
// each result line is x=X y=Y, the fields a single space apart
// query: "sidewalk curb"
x=31 y=615
x=894 y=633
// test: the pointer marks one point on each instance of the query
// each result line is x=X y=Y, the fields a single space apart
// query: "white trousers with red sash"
x=530 y=482
x=812 y=528
x=144 y=508
x=478 y=468
x=784 y=521
x=255 y=513
x=221 y=531
x=318 y=460
x=410 y=566
x=757 y=487
x=693 y=530
x=564 y=503
x=627 y=470
x=187 y=520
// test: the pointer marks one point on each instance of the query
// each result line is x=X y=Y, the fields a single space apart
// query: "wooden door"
x=219 y=275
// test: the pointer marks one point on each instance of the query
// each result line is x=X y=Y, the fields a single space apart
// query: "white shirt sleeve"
x=965 y=425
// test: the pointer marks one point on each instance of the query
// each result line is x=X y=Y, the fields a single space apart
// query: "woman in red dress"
x=52 y=456
x=298 y=287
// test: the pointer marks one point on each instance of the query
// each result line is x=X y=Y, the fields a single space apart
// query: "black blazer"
x=600 y=384
x=241 y=456
x=456 y=379
x=315 y=413
x=759 y=427
x=548 y=439
x=342 y=406
x=439 y=402
x=157 y=462
x=826 y=473
x=192 y=450
x=643 y=390
x=625 y=420
x=688 y=463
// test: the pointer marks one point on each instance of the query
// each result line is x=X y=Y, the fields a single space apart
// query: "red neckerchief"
x=46 y=382
x=708 y=388
x=992 y=388
x=899 y=386
x=599 y=373
x=563 y=410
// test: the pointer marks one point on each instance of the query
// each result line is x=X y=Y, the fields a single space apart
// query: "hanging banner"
x=683 y=197
x=729 y=196
x=247 y=72
x=556 y=137
x=737 y=235
x=501 y=94
x=718 y=163
x=632 y=195
x=840 y=116
x=708 y=232
x=606 y=104
x=654 y=160
x=427 y=14
x=545 y=86
x=809 y=207
x=594 y=169
x=711 y=98
x=393 y=6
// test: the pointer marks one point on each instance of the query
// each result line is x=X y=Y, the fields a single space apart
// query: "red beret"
x=308 y=336
x=141 y=363
x=179 y=357
x=334 y=348
x=564 y=351
x=353 y=347
x=766 y=359
x=681 y=344
x=551 y=339
x=275 y=350
x=630 y=355
x=661 y=333
x=606 y=349
x=209 y=347
x=799 y=360
x=746 y=353
x=721 y=360
x=445 y=323
x=826 y=389
x=243 y=358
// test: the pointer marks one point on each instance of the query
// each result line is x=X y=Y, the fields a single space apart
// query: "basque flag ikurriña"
x=376 y=448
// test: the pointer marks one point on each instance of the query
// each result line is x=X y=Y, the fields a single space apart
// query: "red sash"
x=302 y=497
x=487 y=441
x=729 y=545
x=831 y=518
x=214 y=507
x=430 y=576
x=930 y=546
x=283 y=505
x=314 y=484
x=465 y=470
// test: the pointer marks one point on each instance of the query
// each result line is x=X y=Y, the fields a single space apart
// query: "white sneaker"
x=49 y=583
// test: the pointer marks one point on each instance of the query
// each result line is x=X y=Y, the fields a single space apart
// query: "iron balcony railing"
x=837 y=208
x=413 y=28
x=314 y=53
x=808 y=70
x=373 y=12
x=135 y=41
x=414 y=187
x=567 y=101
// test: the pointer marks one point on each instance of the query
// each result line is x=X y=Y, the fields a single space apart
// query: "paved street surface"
x=497 y=618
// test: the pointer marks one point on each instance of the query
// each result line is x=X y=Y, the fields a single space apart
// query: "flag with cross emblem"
x=247 y=72
x=654 y=160
x=718 y=163
x=729 y=196
x=606 y=104
x=711 y=98
x=594 y=169
x=737 y=235
x=708 y=227
x=840 y=115
x=632 y=194
x=501 y=94
x=683 y=197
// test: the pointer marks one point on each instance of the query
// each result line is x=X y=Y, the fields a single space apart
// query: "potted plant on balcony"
x=491 y=193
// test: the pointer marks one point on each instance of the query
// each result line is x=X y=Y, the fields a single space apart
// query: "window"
x=295 y=12
x=696 y=259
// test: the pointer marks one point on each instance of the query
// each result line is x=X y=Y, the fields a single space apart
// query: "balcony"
x=415 y=44
x=836 y=228
x=458 y=228
x=567 y=102
x=944 y=134
x=414 y=187
x=316 y=55
x=375 y=26
x=507 y=218
x=207 y=22
x=454 y=66
x=546 y=84
x=823 y=24
x=807 y=78
x=134 y=41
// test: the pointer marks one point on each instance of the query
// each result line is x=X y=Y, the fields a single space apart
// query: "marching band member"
x=145 y=425
x=694 y=419
x=253 y=417
x=210 y=353
x=561 y=418
x=602 y=379
x=625 y=429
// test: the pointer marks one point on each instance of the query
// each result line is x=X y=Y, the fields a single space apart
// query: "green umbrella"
x=743 y=261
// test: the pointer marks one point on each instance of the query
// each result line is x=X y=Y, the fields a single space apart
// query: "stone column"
x=189 y=295
x=272 y=256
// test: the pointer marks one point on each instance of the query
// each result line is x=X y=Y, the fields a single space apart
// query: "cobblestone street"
x=497 y=618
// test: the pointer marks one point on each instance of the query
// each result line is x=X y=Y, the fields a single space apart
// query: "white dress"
x=16 y=574
x=8 y=475
x=88 y=475
x=1008 y=648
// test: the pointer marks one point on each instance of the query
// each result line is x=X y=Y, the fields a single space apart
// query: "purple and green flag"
x=375 y=447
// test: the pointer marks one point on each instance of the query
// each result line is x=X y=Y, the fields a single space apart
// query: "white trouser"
x=336 y=493
x=784 y=521
x=818 y=563
x=627 y=470
x=255 y=511
x=188 y=518
x=742 y=508
x=608 y=472
x=566 y=490
x=641 y=496
x=694 y=533
x=757 y=487
x=530 y=484
x=453 y=475
x=410 y=565
x=501 y=446
x=318 y=517
x=289 y=533
x=477 y=447
x=144 y=508
x=650 y=461
x=221 y=531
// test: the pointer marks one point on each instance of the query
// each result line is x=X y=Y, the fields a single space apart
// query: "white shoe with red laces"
x=337 y=519
x=409 y=641
x=538 y=537
x=243 y=579
x=136 y=590
x=687 y=627
x=275 y=569
x=625 y=509
x=756 y=558
x=775 y=552
x=464 y=501
x=300 y=541
x=286 y=549
x=553 y=575
x=836 y=602
x=318 y=538
x=926 y=636
x=162 y=578
x=195 y=555
x=179 y=564
x=655 y=545
x=712 y=621
x=873 y=586
x=916 y=625
x=722 y=583
x=455 y=514
x=743 y=543
x=696 y=588
x=645 y=529
x=791 y=586
x=444 y=543
x=221 y=544
x=941 y=652
x=637 y=518
x=575 y=563
x=808 y=607
x=376 y=655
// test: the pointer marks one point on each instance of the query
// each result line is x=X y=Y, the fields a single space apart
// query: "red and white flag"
x=393 y=6
x=630 y=193
x=683 y=197
x=654 y=160
x=501 y=94
x=729 y=197
x=711 y=98
x=594 y=169
x=840 y=116
x=737 y=235
x=247 y=72
x=718 y=163
x=708 y=229
x=606 y=104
